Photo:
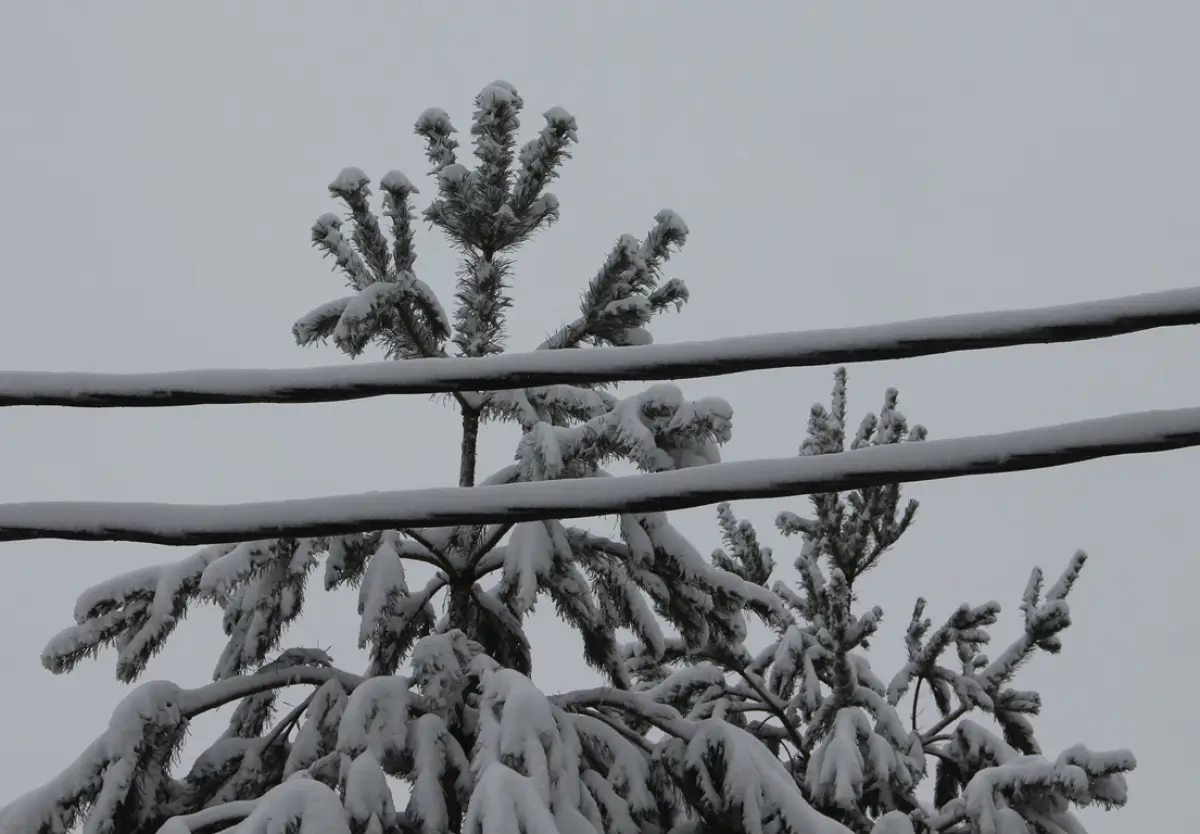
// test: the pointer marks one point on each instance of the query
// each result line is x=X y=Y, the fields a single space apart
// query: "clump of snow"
x=327 y=223
x=528 y=561
x=397 y=183
x=236 y=565
x=300 y=656
x=522 y=732
x=453 y=175
x=633 y=337
x=545 y=206
x=435 y=120
x=672 y=221
x=215 y=815
x=349 y=181
x=427 y=301
x=376 y=718
x=297 y=806
x=356 y=324
x=656 y=429
x=436 y=755
x=1098 y=763
x=504 y=801
x=497 y=95
x=115 y=591
x=154 y=702
x=368 y=799
x=636 y=307
x=695 y=678
x=382 y=583
x=316 y=323
x=851 y=759
x=439 y=662
x=557 y=118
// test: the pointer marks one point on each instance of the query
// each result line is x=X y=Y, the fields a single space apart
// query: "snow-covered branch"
x=177 y=524
x=921 y=337
x=662 y=716
x=226 y=814
x=193 y=702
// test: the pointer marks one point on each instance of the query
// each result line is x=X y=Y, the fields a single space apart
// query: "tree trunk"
x=470 y=439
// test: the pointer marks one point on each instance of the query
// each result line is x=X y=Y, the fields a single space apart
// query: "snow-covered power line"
x=899 y=340
x=180 y=524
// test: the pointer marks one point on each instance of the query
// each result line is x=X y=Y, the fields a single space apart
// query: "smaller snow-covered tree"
x=836 y=725
x=692 y=731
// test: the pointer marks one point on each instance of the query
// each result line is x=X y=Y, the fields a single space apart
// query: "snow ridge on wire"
x=898 y=340
x=180 y=524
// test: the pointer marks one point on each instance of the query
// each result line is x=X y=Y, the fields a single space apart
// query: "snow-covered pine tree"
x=448 y=703
x=455 y=726
x=835 y=725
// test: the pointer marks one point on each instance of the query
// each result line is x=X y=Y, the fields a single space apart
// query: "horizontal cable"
x=686 y=360
x=180 y=524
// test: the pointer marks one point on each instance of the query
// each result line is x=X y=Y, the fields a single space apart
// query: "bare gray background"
x=161 y=164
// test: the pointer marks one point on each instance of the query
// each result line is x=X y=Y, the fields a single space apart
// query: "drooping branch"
x=179 y=524
x=921 y=337
x=663 y=717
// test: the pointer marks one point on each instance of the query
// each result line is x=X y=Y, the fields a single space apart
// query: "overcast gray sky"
x=838 y=164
